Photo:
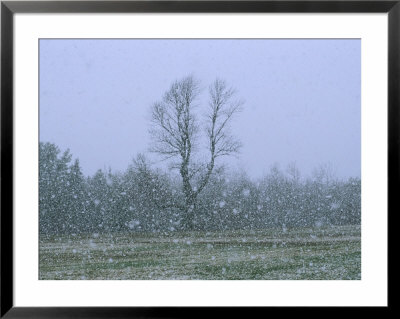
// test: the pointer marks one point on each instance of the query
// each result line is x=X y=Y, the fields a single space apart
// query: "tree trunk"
x=189 y=213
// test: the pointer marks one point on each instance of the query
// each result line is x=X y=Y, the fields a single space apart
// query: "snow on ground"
x=320 y=253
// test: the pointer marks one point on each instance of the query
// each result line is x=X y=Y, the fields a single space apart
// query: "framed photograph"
x=158 y=156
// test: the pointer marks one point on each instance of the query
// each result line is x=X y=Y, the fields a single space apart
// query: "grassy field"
x=321 y=254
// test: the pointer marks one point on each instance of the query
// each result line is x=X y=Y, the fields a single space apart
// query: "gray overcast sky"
x=302 y=98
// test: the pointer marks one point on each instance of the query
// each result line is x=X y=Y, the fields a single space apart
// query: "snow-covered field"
x=318 y=253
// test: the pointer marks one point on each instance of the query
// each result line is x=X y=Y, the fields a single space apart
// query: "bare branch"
x=222 y=109
x=175 y=128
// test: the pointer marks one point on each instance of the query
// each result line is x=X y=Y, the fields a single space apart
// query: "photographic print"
x=199 y=159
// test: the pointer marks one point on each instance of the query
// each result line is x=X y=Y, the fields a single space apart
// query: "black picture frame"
x=9 y=8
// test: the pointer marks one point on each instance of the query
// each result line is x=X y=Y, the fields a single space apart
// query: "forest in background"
x=141 y=199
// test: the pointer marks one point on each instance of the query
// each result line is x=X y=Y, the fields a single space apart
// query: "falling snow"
x=135 y=225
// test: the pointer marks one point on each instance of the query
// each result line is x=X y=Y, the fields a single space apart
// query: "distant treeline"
x=143 y=199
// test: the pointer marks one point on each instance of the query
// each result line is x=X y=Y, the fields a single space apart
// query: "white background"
x=371 y=290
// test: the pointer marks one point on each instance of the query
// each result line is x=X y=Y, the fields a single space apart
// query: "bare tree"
x=293 y=172
x=176 y=129
x=324 y=174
